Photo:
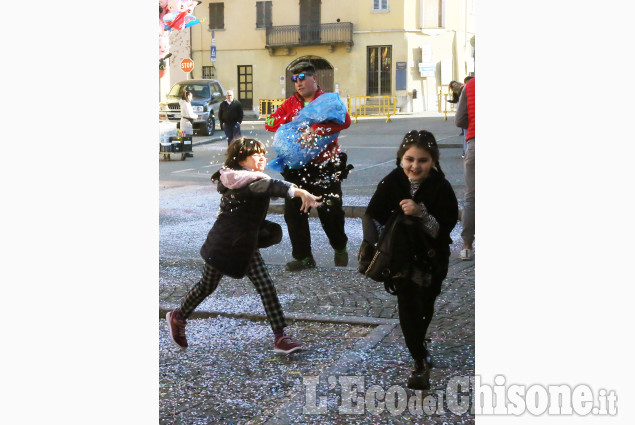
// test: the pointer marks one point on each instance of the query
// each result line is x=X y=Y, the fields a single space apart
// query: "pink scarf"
x=234 y=179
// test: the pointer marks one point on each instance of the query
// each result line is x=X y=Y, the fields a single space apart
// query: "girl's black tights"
x=415 y=313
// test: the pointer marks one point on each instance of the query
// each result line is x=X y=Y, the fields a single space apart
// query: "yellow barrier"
x=443 y=98
x=268 y=107
x=372 y=106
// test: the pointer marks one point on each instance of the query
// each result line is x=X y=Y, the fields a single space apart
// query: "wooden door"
x=246 y=86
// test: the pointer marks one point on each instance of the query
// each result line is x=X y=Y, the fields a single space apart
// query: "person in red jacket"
x=466 y=118
x=322 y=176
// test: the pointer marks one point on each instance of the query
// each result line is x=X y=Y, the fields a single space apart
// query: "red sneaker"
x=286 y=345
x=176 y=325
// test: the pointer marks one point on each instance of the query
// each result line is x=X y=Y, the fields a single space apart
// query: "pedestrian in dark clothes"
x=418 y=188
x=240 y=229
x=230 y=116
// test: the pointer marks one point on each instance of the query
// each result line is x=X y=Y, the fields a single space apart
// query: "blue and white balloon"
x=294 y=153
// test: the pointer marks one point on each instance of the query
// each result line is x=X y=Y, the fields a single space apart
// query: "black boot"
x=420 y=378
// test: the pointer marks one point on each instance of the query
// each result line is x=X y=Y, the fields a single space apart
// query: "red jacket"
x=290 y=108
x=470 y=88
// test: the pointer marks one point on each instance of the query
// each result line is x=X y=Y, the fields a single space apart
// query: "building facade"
x=409 y=49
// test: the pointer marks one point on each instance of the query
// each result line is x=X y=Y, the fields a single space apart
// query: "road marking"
x=198 y=175
x=370 y=147
x=373 y=166
x=441 y=146
x=182 y=171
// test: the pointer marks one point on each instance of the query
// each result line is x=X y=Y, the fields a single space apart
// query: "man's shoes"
x=420 y=378
x=341 y=257
x=286 y=345
x=466 y=254
x=176 y=325
x=297 y=265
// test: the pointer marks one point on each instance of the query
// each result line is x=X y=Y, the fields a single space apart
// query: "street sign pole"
x=212 y=54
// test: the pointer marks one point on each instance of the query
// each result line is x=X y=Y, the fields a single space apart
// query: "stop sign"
x=187 y=65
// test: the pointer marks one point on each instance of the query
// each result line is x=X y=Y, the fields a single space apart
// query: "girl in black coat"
x=240 y=229
x=418 y=188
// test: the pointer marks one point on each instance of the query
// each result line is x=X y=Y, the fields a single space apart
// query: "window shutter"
x=217 y=15
x=268 y=15
x=259 y=14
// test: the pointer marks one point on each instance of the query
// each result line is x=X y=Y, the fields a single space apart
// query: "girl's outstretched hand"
x=308 y=200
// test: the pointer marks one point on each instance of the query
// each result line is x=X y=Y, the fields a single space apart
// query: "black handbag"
x=375 y=260
x=270 y=234
x=383 y=262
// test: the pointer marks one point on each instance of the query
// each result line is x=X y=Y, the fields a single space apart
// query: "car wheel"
x=210 y=126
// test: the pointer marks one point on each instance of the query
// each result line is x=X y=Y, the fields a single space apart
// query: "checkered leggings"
x=257 y=274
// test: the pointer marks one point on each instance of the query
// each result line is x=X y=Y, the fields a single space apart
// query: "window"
x=433 y=13
x=217 y=16
x=380 y=4
x=263 y=14
x=378 y=71
x=216 y=88
x=208 y=72
x=199 y=91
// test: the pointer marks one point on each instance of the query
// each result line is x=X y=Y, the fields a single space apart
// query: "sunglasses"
x=300 y=77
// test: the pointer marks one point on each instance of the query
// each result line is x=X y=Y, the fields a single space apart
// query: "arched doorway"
x=324 y=70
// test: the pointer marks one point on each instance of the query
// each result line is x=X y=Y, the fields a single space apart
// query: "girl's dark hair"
x=422 y=139
x=185 y=93
x=237 y=151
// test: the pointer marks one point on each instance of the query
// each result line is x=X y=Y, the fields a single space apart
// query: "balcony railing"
x=310 y=35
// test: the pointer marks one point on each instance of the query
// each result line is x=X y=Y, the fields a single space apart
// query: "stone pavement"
x=230 y=374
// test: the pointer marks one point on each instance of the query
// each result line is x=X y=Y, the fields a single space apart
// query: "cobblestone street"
x=229 y=374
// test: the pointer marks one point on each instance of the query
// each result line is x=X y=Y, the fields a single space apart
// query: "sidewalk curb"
x=350 y=211
x=293 y=317
x=209 y=140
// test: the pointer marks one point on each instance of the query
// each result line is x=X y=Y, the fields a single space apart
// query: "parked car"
x=207 y=96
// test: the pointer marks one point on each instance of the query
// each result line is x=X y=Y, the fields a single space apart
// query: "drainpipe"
x=191 y=53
